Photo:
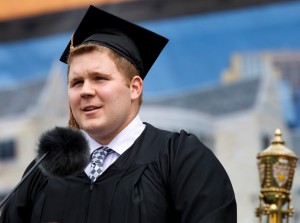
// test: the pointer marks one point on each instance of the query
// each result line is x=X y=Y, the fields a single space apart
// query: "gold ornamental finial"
x=277 y=148
x=277 y=139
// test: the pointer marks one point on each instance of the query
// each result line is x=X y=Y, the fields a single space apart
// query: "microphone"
x=61 y=152
x=67 y=152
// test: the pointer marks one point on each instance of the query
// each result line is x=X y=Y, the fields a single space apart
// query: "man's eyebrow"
x=99 y=73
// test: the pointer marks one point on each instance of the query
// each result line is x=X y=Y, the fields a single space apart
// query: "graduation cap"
x=137 y=44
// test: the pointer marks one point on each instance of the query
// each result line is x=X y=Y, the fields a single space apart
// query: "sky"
x=199 y=48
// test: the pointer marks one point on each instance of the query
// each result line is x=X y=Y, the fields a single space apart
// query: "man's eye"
x=99 y=78
x=76 y=83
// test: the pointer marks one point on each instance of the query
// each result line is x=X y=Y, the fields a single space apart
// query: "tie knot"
x=99 y=154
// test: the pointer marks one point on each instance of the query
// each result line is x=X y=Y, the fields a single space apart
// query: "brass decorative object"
x=276 y=165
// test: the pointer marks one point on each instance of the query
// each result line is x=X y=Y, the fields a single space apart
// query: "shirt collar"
x=123 y=140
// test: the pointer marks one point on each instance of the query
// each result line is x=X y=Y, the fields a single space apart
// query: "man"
x=148 y=174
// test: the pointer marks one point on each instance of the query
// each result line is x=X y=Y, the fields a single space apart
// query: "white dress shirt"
x=119 y=144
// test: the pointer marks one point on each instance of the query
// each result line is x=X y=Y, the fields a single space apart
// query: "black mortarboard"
x=135 y=43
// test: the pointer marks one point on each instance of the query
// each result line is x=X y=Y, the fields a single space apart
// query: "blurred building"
x=25 y=112
x=286 y=67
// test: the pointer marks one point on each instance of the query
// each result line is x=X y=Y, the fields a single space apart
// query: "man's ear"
x=136 y=87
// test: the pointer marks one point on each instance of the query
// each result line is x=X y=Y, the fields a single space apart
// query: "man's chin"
x=93 y=127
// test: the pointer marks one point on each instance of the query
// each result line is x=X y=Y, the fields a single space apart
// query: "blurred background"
x=230 y=74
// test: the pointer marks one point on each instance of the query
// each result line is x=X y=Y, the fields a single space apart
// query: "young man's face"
x=100 y=100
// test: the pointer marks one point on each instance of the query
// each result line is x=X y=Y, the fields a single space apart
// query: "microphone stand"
x=23 y=179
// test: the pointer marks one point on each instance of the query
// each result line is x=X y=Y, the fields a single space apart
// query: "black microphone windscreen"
x=67 y=151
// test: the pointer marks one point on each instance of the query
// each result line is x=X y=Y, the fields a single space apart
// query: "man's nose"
x=87 y=89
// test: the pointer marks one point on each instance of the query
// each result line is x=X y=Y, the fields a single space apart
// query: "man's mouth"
x=90 y=108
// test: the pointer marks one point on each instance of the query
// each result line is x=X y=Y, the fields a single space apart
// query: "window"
x=7 y=149
x=265 y=141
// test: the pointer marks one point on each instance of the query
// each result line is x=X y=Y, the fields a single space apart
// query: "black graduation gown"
x=163 y=177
